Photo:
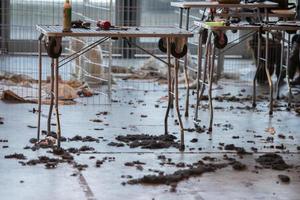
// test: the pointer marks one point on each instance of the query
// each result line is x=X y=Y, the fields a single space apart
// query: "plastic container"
x=67 y=21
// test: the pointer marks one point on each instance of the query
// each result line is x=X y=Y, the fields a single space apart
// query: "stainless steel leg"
x=199 y=71
x=181 y=17
x=281 y=64
x=257 y=67
x=266 y=15
x=51 y=97
x=40 y=89
x=287 y=72
x=210 y=80
x=186 y=76
x=58 y=130
x=169 y=86
x=268 y=73
x=187 y=85
x=187 y=18
x=182 y=147
x=206 y=64
x=172 y=91
x=109 y=71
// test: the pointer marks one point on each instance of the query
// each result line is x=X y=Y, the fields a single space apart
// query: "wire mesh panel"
x=132 y=68
x=19 y=46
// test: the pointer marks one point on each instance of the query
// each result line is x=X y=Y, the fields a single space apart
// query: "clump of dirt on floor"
x=239 y=150
x=1 y=120
x=49 y=163
x=18 y=156
x=178 y=175
x=284 y=178
x=80 y=150
x=239 y=166
x=272 y=161
x=146 y=141
x=116 y=144
x=83 y=139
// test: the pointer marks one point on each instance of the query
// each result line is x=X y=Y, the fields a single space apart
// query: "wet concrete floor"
x=234 y=124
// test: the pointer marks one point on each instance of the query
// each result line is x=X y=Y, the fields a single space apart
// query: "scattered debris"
x=194 y=140
x=96 y=120
x=284 y=178
x=102 y=113
x=178 y=175
x=31 y=126
x=18 y=156
x=83 y=139
x=116 y=144
x=239 y=166
x=239 y=150
x=33 y=140
x=133 y=163
x=273 y=161
x=148 y=141
x=270 y=130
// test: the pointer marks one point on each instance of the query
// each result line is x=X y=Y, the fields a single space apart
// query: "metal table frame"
x=204 y=4
x=210 y=56
x=130 y=32
x=209 y=64
x=283 y=29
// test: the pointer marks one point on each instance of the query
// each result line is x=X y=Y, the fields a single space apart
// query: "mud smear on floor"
x=18 y=156
x=83 y=139
x=178 y=175
x=149 y=141
x=272 y=161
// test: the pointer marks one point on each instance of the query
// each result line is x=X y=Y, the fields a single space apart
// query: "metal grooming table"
x=210 y=56
x=125 y=34
x=207 y=78
x=208 y=4
x=187 y=6
x=284 y=28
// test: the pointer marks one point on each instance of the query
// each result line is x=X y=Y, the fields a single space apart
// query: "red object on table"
x=105 y=24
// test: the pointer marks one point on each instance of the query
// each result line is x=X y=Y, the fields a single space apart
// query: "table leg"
x=212 y=66
x=266 y=15
x=199 y=71
x=206 y=64
x=268 y=73
x=181 y=17
x=187 y=85
x=172 y=92
x=186 y=76
x=257 y=68
x=187 y=18
x=169 y=85
x=109 y=71
x=281 y=64
x=210 y=80
x=39 y=89
x=51 y=97
x=287 y=72
x=58 y=131
x=182 y=147
x=187 y=82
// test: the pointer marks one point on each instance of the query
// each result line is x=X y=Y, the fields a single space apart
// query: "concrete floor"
x=105 y=182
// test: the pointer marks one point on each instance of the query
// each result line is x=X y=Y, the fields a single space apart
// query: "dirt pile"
x=178 y=175
x=146 y=141
x=272 y=161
